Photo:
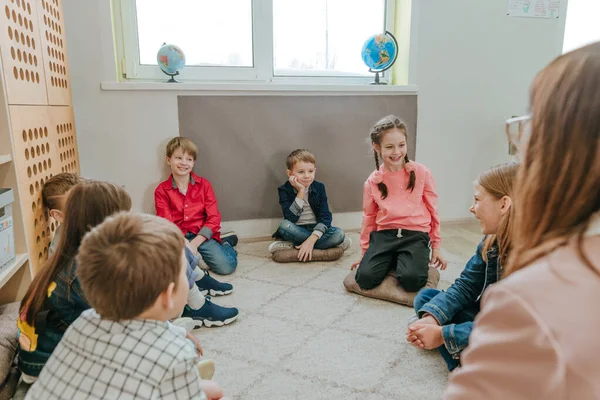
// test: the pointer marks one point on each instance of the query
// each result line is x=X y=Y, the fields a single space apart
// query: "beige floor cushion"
x=291 y=255
x=389 y=289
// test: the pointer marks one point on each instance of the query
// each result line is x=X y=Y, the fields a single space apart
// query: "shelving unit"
x=37 y=129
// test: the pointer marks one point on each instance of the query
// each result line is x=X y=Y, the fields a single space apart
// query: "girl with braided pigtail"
x=400 y=216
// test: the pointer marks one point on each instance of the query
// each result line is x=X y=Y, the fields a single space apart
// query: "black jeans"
x=407 y=253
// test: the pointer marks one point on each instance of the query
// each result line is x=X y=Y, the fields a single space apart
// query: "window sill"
x=219 y=88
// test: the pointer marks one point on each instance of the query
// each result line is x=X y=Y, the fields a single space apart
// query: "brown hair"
x=558 y=183
x=88 y=204
x=499 y=181
x=380 y=128
x=185 y=144
x=56 y=187
x=299 y=155
x=127 y=261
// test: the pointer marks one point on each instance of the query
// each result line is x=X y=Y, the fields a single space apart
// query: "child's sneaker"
x=186 y=323
x=211 y=314
x=209 y=285
x=280 y=245
x=414 y=318
x=346 y=243
x=230 y=238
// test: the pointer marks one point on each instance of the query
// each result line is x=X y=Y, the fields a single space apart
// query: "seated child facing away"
x=307 y=219
x=189 y=202
x=55 y=298
x=400 y=216
x=54 y=196
x=132 y=268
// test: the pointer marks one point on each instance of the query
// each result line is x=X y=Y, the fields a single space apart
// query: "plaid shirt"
x=132 y=359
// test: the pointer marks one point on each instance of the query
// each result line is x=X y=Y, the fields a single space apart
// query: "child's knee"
x=337 y=236
x=424 y=297
x=412 y=281
x=367 y=280
x=285 y=225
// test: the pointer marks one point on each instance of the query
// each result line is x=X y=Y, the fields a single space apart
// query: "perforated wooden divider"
x=20 y=45
x=38 y=91
x=55 y=52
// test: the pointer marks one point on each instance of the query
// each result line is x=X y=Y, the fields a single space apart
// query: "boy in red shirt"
x=189 y=202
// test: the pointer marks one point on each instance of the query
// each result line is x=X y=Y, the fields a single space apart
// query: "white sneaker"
x=280 y=245
x=185 y=322
x=346 y=243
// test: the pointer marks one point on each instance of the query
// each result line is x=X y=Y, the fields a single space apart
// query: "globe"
x=380 y=51
x=170 y=59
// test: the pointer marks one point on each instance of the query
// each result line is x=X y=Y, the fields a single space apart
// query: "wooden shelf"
x=11 y=268
x=5 y=158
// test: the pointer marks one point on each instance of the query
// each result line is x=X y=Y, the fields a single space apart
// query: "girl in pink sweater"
x=400 y=217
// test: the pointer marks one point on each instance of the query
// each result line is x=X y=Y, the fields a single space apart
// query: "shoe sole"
x=209 y=323
x=215 y=292
x=206 y=368
x=280 y=247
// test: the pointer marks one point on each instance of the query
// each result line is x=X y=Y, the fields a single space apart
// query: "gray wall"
x=244 y=140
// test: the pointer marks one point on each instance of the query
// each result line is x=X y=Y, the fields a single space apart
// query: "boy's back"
x=130 y=359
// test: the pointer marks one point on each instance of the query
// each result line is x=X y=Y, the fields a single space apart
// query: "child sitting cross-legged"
x=307 y=218
x=132 y=269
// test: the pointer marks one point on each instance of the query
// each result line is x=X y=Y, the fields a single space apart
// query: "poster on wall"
x=534 y=8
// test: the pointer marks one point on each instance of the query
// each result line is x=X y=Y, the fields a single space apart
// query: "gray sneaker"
x=346 y=243
x=280 y=245
x=414 y=318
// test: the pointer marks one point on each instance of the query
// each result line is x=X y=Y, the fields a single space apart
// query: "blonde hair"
x=56 y=187
x=499 y=181
x=558 y=183
x=185 y=144
x=299 y=155
x=127 y=261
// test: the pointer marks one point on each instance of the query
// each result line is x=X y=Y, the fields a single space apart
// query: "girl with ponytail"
x=400 y=216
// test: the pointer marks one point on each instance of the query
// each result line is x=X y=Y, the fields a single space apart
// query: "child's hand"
x=194 y=339
x=425 y=336
x=294 y=182
x=196 y=242
x=306 y=248
x=437 y=261
x=355 y=265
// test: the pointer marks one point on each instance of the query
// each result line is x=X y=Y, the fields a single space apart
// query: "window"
x=252 y=40
x=582 y=24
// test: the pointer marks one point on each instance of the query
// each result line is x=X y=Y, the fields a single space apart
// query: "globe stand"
x=377 y=82
x=172 y=80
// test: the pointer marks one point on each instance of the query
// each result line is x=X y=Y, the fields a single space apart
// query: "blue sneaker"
x=230 y=238
x=211 y=314
x=209 y=285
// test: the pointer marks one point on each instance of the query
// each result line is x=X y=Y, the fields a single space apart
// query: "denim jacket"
x=464 y=295
x=317 y=198
x=65 y=303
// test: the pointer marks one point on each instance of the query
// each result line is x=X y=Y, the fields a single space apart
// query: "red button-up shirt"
x=196 y=211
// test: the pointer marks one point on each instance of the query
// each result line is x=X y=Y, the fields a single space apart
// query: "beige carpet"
x=300 y=335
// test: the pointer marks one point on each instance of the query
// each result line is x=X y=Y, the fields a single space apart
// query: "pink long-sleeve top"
x=401 y=209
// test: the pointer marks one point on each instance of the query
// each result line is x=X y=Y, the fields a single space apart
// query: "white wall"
x=473 y=67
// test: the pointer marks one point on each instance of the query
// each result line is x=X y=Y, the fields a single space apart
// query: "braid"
x=382 y=187
x=413 y=177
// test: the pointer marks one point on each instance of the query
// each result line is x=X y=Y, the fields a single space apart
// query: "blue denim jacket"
x=317 y=198
x=64 y=305
x=464 y=295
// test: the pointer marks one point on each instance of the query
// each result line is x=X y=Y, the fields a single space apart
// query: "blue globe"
x=380 y=51
x=170 y=59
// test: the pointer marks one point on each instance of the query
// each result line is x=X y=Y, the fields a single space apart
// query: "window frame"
x=130 y=69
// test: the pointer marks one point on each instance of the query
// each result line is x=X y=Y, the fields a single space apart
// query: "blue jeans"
x=456 y=332
x=297 y=234
x=221 y=258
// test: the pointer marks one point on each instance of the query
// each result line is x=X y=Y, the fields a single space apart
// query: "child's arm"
x=182 y=381
x=323 y=214
x=291 y=209
x=162 y=204
x=370 y=209
x=430 y=198
x=213 y=216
